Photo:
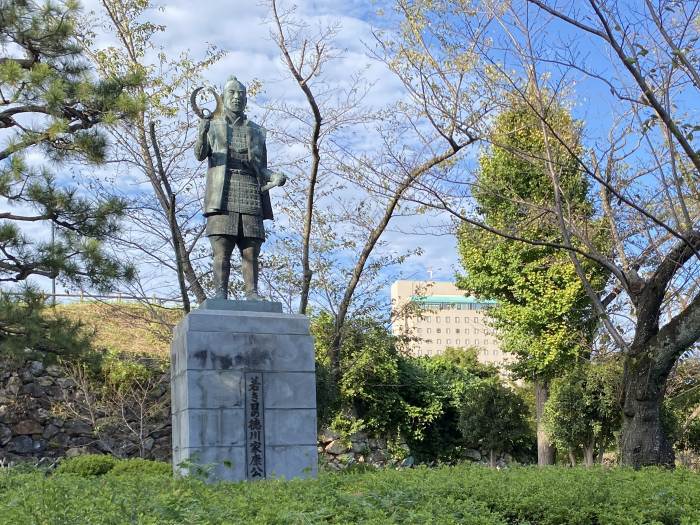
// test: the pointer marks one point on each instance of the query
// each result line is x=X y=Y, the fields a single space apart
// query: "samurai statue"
x=236 y=199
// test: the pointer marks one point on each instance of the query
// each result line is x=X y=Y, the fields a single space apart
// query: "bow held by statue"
x=205 y=113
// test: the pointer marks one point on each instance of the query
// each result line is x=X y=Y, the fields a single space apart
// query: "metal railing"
x=83 y=296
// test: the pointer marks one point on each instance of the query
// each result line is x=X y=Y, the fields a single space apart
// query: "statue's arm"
x=263 y=151
x=201 y=145
x=271 y=178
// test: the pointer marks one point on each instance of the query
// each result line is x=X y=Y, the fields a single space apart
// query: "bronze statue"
x=236 y=199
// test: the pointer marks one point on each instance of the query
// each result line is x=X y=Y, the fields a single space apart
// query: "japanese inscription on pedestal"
x=255 y=426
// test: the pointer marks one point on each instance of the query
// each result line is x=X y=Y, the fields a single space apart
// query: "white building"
x=437 y=315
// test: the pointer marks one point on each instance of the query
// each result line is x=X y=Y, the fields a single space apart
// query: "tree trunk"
x=643 y=440
x=572 y=457
x=156 y=177
x=546 y=452
x=492 y=458
x=589 y=453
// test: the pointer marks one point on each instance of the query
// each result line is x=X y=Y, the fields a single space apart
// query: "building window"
x=466 y=331
x=438 y=330
x=456 y=319
x=427 y=330
x=419 y=330
x=466 y=342
x=456 y=330
x=447 y=319
x=456 y=341
x=437 y=319
x=447 y=330
x=439 y=341
x=466 y=319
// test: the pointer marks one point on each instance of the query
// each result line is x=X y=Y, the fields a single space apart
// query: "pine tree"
x=51 y=107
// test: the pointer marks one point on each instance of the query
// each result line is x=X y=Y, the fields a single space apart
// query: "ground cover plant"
x=461 y=494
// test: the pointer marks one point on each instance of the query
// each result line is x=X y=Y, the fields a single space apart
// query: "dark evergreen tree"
x=51 y=107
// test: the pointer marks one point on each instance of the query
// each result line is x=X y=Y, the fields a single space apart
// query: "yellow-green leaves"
x=10 y=72
x=544 y=315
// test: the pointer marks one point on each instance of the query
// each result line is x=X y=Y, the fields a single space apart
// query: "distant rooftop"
x=449 y=299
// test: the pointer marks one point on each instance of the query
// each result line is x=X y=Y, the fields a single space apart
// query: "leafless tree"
x=153 y=167
x=361 y=167
x=640 y=65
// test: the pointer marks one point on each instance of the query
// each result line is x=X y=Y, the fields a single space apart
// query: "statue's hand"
x=276 y=179
x=204 y=124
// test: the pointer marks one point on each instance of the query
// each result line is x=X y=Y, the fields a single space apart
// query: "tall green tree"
x=51 y=106
x=543 y=315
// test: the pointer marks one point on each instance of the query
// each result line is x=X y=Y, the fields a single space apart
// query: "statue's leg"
x=222 y=246
x=250 y=251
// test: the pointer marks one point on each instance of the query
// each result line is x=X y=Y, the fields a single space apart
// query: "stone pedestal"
x=244 y=392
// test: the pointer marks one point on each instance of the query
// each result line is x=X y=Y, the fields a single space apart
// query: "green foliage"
x=370 y=385
x=141 y=467
x=681 y=410
x=385 y=393
x=513 y=177
x=26 y=325
x=691 y=436
x=493 y=417
x=468 y=358
x=462 y=494
x=583 y=409
x=328 y=401
x=88 y=465
x=91 y=465
x=120 y=372
x=543 y=315
x=432 y=390
x=45 y=80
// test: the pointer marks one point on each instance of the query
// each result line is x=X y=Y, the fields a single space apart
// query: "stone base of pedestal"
x=244 y=394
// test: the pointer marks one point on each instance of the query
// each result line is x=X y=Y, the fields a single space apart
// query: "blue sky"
x=242 y=29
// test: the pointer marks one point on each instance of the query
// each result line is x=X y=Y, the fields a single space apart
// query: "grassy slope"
x=125 y=327
x=464 y=495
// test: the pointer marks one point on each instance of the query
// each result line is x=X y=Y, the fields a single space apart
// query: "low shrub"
x=462 y=494
x=141 y=467
x=88 y=465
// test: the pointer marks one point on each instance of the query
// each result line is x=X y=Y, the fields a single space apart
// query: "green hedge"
x=88 y=465
x=462 y=494
x=141 y=467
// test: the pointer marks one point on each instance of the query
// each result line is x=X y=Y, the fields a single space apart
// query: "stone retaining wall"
x=338 y=452
x=44 y=414
x=36 y=423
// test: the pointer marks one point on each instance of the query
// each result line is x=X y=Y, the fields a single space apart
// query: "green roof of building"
x=450 y=299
